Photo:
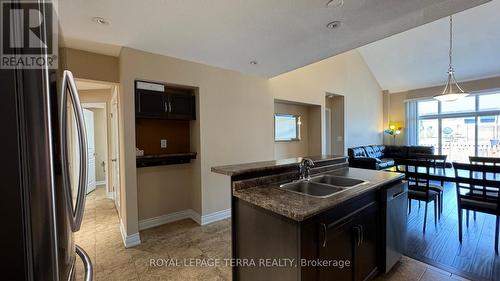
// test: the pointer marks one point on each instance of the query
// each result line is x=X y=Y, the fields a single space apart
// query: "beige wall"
x=92 y=66
x=394 y=103
x=315 y=128
x=241 y=132
x=348 y=75
x=336 y=106
x=288 y=149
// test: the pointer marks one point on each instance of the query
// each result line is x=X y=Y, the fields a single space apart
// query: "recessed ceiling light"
x=334 y=24
x=335 y=3
x=254 y=62
x=100 y=20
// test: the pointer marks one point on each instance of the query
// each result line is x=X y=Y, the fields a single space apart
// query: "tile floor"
x=100 y=237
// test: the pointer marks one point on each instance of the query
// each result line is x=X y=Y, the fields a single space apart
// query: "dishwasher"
x=395 y=200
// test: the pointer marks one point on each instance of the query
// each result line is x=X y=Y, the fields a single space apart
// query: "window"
x=459 y=129
x=428 y=107
x=489 y=102
x=286 y=127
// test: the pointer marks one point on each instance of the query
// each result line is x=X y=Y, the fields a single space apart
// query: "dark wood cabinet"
x=171 y=103
x=352 y=239
x=181 y=106
x=347 y=234
x=150 y=104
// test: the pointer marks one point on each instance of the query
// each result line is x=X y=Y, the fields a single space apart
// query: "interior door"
x=89 y=127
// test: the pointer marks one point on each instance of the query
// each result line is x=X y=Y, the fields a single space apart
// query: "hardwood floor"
x=475 y=259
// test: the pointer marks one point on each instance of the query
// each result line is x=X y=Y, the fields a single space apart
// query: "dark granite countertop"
x=166 y=155
x=234 y=170
x=299 y=207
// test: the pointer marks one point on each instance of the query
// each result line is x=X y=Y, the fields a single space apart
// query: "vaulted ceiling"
x=418 y=58
x=281 y=35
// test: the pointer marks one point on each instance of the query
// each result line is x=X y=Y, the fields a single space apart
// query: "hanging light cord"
x=451 y=44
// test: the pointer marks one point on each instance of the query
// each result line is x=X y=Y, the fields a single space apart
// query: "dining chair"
x=419 y=187
x=436 y=161
x=476 y=191
x=482 y=160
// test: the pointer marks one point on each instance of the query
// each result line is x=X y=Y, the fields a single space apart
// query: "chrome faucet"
x=305 y=168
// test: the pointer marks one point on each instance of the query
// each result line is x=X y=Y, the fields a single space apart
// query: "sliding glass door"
x=460 y=129
x=488 y=136
x=458 y=137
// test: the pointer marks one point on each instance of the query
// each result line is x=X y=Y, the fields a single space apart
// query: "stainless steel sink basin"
x=311 y=188
x=337 y=181
x=322 y=186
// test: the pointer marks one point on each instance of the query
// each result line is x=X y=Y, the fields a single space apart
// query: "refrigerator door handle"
x=87 y=263
x=68 y=83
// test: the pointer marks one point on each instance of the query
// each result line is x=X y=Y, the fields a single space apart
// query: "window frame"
x=297 y=127
x=476 y=114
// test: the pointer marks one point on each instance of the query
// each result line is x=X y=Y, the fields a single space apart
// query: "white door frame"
x=115 y=142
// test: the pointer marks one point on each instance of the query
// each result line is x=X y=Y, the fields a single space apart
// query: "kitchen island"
x=278 y=234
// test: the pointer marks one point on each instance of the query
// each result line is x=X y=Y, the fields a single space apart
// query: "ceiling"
x=418 y=58
x=281 y=35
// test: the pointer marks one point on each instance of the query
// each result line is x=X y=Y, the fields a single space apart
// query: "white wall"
x=235 y=120
x=235 y=123
x=348 y=75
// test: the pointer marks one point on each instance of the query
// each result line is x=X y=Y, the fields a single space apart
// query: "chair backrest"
x=474 y=178
x=416 y=172
x=486 y=161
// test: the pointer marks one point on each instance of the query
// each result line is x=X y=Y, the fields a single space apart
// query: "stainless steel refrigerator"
x=42 y=200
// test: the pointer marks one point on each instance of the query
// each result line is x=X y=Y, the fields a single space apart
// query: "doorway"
x=334 y=124
x=328 y=131
x=100 y=102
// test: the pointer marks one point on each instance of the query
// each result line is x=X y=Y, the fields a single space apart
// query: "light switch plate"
x=163 y=143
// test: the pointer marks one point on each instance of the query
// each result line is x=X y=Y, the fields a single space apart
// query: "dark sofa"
x=379 y=157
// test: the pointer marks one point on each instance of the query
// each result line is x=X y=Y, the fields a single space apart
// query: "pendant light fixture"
x=452 y=90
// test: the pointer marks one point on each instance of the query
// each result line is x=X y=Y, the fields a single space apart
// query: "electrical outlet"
x=163 y=143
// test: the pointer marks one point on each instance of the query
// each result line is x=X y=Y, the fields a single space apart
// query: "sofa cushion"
x=382 y=149
x=388 y=161
x=370 y=152
x=378 y=153
x=415 y=150
x=357 y=152
x=395 y=152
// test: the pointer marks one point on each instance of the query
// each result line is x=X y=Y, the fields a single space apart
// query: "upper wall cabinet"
x=154 y=100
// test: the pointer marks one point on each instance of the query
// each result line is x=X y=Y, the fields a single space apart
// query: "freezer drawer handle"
x=68 y=83
x=87 y=263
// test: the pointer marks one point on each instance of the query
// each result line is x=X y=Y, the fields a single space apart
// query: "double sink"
x=322 y=186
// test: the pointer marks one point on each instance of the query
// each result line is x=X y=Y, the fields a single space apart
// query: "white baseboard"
x=100 y=182
x=182 y=215
x=215 y=216
x=168 y=218
x=129 y=240
x=110 y=195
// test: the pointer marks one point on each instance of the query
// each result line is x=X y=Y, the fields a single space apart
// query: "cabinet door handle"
x=169 y=106
x=165 y=106
x=325 y=233
x=358 y=235
x=362 y=234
